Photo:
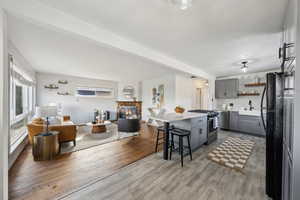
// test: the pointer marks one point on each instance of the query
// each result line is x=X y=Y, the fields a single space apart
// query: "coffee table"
x=98 y=127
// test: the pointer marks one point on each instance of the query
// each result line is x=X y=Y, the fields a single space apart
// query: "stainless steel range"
x=212 y=124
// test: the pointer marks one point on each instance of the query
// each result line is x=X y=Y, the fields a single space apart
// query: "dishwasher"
x=224 y=119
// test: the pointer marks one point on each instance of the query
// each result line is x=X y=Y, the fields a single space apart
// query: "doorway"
x=201 y=94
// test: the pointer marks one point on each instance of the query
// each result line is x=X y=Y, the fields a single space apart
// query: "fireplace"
x=129 y=116
x=128 y=112
x=129 y=109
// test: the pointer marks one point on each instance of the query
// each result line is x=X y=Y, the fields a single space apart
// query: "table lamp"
x=46 y=112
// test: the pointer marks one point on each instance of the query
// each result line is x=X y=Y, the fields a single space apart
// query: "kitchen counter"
x=172 y=117
x=245 y=112
x=196 y=123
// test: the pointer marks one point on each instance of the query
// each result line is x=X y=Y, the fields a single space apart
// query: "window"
x=22 y=102
x=19 y=100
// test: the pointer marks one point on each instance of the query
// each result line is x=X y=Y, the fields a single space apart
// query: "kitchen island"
x=194 y=122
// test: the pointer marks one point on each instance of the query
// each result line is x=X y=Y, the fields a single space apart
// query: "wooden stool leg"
x=189 y=144
x=181 y=149
x=157 y=138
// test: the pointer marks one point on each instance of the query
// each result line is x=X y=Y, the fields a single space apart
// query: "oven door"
x=212 y=124
x=212 y=130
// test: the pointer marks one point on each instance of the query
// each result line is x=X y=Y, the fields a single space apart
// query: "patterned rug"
x=85 y=139
x=232 y=153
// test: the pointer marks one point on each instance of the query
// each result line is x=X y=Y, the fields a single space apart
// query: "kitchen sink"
x=250 y=113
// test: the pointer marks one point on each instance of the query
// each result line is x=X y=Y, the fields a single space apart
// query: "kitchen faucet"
x=250 y=105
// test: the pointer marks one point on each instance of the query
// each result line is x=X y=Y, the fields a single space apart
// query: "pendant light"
x=244 y=68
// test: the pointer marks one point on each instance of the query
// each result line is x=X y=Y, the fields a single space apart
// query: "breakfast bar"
x=194 y=122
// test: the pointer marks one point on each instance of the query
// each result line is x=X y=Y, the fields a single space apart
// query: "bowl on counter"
x=179 y=109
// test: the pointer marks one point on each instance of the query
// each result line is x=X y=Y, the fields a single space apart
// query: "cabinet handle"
x=200 y=131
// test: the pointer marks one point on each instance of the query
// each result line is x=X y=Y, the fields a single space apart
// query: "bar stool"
x=181 y=133
x=160 y=129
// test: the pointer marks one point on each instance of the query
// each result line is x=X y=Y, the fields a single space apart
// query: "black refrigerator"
x=279 y=130
x=274 y=134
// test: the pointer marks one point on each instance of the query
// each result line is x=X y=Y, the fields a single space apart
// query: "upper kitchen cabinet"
x=227 y=88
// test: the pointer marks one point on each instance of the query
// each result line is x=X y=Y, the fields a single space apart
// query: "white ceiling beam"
x=45 y=15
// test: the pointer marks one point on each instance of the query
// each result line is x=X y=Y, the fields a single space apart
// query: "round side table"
x=45 y=146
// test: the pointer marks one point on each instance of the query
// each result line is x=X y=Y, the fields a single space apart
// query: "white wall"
x=134 y=84
x=4 y=105
x=185 y=92
x=21 y=62
x=169 y=82
x=243 y=101
x=179 y=90
x=80 y=109
x=186 y=89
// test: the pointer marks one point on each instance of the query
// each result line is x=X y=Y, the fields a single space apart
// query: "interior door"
x=198 y=98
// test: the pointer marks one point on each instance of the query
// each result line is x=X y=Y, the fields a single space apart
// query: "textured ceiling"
x=212 y=35
x=58 y=52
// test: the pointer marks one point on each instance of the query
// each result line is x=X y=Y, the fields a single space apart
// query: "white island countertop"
x=172 y=117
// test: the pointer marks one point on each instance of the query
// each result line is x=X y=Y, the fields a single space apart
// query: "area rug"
x=232 y=153
x=85 y=139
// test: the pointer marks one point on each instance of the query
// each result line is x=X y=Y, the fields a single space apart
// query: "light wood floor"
x=200 y=179
x=31 y=180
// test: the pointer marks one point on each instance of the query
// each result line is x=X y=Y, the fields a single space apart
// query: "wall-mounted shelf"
x=62 y=82
x=248 y=94
x=255 y=84
x=51 y=86
x=64 y=93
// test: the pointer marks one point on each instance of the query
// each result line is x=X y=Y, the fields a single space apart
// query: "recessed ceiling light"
x=182 y=4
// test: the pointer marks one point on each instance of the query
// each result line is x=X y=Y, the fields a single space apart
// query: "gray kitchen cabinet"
x=220 y=90
x=195 y=138
x=245 y=124
x=234 y=120
x=227 y=88
x=232 y=88
x=203 y=132
x=198 y=128
x=199 y=133
x=251 y=124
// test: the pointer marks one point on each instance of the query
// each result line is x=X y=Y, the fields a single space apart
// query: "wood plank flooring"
x=50 y=179
x=154 y=178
